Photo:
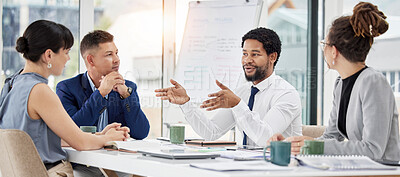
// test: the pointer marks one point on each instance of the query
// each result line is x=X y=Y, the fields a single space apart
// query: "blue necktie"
x=254 y=90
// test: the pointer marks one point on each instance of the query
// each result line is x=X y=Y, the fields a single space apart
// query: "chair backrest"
x=18 y=155
x=313 y=131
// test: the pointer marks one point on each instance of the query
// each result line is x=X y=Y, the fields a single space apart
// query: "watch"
x=130 y=90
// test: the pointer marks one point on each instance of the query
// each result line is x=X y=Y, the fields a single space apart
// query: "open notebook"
x=341 y=162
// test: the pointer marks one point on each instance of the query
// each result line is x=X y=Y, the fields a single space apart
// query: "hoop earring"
x=49 y=65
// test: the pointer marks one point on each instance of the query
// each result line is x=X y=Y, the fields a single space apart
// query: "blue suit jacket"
x=85 y=106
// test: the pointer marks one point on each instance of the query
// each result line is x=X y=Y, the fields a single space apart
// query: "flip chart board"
x=211 y=45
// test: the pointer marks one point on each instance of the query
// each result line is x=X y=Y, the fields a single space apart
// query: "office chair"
x=313 y=131
x=18 y=155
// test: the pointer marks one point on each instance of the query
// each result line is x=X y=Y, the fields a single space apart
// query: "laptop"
x=177 y=155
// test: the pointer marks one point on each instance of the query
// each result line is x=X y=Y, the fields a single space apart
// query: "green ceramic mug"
x=279 y=152
x=177 y=134
x=312 y=147
x=89 y=129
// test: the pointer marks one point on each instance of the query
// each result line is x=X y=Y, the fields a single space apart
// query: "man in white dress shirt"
x=266 y=105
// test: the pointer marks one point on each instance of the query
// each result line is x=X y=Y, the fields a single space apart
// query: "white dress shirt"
x=277 y=109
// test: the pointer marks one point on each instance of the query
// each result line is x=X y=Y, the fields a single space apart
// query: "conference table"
x=136 y=163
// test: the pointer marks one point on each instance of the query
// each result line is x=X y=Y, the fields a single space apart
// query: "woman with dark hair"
x=364 y=110
x=30 y=105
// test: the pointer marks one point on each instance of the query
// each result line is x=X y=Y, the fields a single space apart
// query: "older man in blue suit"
x=101 y=95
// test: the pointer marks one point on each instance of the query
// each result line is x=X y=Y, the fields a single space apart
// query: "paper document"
x=241 y=166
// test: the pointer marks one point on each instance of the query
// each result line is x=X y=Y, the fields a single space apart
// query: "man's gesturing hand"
x=176 y=94
x=223 y=99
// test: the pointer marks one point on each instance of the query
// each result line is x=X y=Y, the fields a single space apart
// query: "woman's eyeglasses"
x=323 y=44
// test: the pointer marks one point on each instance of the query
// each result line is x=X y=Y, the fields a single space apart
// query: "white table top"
x=135 y=163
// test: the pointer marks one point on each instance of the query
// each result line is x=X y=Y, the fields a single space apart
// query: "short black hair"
x=42 y=35
x=268 y=38
x=93 y=39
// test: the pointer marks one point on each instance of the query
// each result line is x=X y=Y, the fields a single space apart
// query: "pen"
x=162 y=139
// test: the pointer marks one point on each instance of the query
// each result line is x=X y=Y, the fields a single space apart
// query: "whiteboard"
x=211 y=45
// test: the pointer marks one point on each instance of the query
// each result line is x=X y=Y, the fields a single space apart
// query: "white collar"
x=265 y=83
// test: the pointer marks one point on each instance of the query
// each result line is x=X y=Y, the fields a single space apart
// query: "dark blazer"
x=85 y=106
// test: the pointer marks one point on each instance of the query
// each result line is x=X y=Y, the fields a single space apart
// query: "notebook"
x=341 y=162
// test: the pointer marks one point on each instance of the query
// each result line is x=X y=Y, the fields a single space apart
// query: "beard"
x=261 y=72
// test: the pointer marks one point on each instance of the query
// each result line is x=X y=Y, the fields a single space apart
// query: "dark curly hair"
x=93 y=39
x=268 y=38
x=354 y=35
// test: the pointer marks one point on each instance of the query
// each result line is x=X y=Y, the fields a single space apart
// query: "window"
x=137 y=30
x=289 y=21
x=17 y=15
x=383 y=55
